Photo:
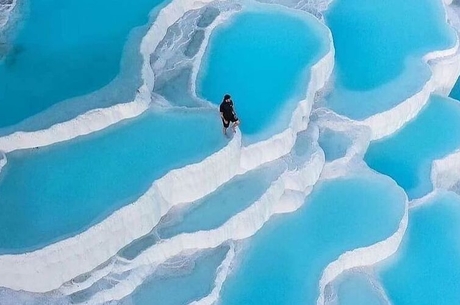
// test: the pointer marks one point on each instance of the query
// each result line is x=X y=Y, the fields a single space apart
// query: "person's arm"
x=222 y=116
x=233 y=110
x=221 y=109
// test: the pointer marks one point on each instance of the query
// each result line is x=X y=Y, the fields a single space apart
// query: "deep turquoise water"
x=286 y=258
x=66 y=188
x=426 y=269
x=455 y=93
x=389 y=39
x=247 y=58
x=63 y=49
x=407 y=155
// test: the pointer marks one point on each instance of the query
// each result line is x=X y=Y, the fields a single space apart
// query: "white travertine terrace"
x=48 y=268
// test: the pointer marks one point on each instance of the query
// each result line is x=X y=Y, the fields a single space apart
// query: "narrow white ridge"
x=445 y=172
x=366 y=256
x=3 y=160
x=222 y=274
x=91 y=121
x=85 y=281
x=425 y=199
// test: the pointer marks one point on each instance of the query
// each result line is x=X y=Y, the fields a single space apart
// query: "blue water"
x=426 y=269
x=136 y=247
x=407 y=155
x=357 y=289
x=228 y=200
x=334 y=144
x=455 y=93
x=67 y=187
x=247 y=58
x=388 y=41
x=286 y=258
x=180 y=280
x=262 y=56
x=53 y=46
x=183 y=286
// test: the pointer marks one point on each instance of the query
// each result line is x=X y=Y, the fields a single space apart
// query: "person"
x=227 y=113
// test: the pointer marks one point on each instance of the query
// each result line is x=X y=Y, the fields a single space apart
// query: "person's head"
x=227 y=98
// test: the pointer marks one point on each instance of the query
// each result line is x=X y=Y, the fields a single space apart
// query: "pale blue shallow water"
x=53 y=45
x=230 y=199
x=193 y=281
x=407 y=155
x=247 y=59
x=67 y=187
x=180 y=280
x=357 y=289
x=284 y=262
x=334 y=144
x=389 y=39
x=426 y=269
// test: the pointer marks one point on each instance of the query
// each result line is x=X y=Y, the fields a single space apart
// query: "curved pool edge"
x=283 y=196
x=100 y=118
x=445 y=69
x=48 y=268
x=366 y=256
